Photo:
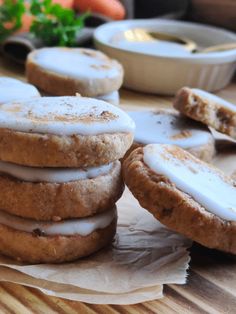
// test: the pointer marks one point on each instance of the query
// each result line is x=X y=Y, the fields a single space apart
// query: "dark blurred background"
x=215 y=12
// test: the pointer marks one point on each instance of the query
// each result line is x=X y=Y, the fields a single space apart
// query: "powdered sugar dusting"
x=65 y=115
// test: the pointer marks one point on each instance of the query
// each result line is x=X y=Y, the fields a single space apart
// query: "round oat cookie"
x=165 y=126
x=55 y=242
x=55 y=194
x=67 y=71
x=12 y=90
x=184 y=193
x=207 y=108
x=63 y=132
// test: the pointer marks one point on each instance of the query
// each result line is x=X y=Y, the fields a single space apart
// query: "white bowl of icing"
x=163 y=68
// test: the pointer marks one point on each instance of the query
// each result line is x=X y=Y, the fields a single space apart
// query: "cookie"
x=233 y=175
x=56 y=194
x=208 y=109
x=67 y=71
x=63 y=132
x=55 y=242
x=113 y=98
x=164 y=126
x=184 y=193
x=12 y=89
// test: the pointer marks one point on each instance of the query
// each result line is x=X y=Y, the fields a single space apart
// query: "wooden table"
x=211 y=286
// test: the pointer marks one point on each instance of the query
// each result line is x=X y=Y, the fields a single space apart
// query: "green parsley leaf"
x=10 y=17
x=54 y=24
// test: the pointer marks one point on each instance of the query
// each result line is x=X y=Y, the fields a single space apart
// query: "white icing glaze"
x=12 y=89
x=65 y=115
x=79 y=226
x=78 y=63
x=206 y=185
x=113 y=98
x=53 y=175
x=214 y=98
x=168 y=127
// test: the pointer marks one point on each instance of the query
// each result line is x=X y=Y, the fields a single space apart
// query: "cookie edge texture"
x=210 y=113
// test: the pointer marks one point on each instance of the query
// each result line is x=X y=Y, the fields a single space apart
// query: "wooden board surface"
x=211 y=286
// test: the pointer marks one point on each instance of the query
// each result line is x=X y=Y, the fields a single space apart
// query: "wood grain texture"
x=211 y=286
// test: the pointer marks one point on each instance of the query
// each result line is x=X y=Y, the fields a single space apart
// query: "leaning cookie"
x=165 y=126
x=208 y=109
x=233 y=175
x=63 y=132
x=58 y=193
x=67 y=71
x=12 y=89
x=113 y=98
x=184 y=193
x=55 y=242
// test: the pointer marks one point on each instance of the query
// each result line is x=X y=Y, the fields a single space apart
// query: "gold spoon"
x=216 y=48
x=142 y=35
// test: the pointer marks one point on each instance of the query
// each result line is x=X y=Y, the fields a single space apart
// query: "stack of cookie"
x=60 y=176
x=67 y=71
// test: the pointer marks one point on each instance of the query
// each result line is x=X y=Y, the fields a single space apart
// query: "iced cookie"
x=165 y=126
x=208 y=109
x=12 y=89
x=58 y=193
x=67 y=71
x=55 y=242
x=63 y=132
x=184 y=193
x=233 y=175
x=113 y=98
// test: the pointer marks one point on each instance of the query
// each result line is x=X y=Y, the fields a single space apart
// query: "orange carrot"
x=111 y=8
x=65 y=3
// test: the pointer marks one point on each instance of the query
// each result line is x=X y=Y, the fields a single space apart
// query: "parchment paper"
x=144 y=256
x=79 y=294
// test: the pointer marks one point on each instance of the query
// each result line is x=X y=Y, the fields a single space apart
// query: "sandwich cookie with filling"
x=12 y=90
x=184 y=193
x=64 y=132
x=67 y=71
x=166 y=126
x=207 y=108
x=59 y=193
x=33 y=241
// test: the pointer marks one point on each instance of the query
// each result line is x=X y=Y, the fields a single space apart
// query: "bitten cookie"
x=208 y=109
x=67 y=71
x=63 y=132
x=55 y=242
x=184 y=193
x=58 y=193
x=164 y=126
x=12 y=89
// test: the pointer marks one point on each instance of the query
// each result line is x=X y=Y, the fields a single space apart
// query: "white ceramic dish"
x=150 y=70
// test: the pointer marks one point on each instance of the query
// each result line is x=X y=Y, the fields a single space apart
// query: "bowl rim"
x=211 y=56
